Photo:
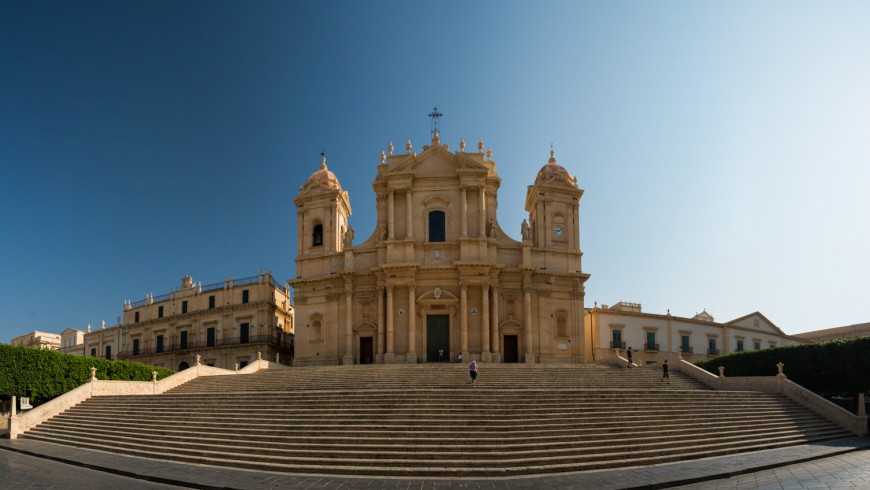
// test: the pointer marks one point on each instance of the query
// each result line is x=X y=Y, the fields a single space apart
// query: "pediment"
x=756 y=321
x=437 y=160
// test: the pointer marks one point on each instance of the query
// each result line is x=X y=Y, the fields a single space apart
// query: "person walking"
x=473 y=371
x=665 y=374
x=628 y=353
x=459 y=358
x=440 y=355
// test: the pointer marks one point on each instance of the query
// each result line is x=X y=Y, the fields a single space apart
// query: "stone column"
x=409 y=215
x=391 y=214
x=300 y=240
x=389 y=356
x=482 y=213
x=412 y=324
x=348 y=321
x=527 y=319
x=380 y=342
x=463 y=319
x=495 y=341
x=484 y=324
x=463 y=209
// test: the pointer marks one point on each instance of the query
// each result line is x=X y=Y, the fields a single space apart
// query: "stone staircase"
x=426 y=420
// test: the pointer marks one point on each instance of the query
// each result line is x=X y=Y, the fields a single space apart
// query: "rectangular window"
x=135 y=347
x=617 y=339
x=712 y=347
x=159 y=312
x=184 y=307
x=245 y=297
x=136 y=317
x=684 y=343
x=211 y=302
x=758 y=346
x=183 y=339
x=109 y=352
x=94 y=352
x=159 y=343
x=739 y=345
x=436 y=226
x=209 y=342
x=651 y=341
x=244 y=330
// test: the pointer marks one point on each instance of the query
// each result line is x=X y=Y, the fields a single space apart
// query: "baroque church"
x=439 y=277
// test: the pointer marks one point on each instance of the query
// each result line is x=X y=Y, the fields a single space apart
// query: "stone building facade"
x=853 y=331
x=655 y=337
x=439 y=277
x=39 y=340
x=227 y=323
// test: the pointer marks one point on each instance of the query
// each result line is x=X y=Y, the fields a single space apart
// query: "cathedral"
x=439 y=280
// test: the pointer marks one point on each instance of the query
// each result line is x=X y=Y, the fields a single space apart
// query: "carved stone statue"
x=382 y=232
x=186 y=282
x=437 y=293
x=490 y=228
x=348 y=237
x=526 y=231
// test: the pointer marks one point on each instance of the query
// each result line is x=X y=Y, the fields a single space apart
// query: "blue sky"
x=723 y=146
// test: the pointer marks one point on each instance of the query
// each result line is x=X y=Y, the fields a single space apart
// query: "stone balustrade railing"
x=20 y=423
x=779 y=383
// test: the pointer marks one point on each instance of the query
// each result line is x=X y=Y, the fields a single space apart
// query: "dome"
x=553 y=172
x=323 y=177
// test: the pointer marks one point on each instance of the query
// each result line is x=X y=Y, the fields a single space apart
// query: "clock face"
x=559 y=231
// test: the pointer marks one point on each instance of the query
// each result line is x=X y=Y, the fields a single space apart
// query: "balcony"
x=712 y=352
x=651 y=347
x=617 y=344
x=687 y=349
x=277 y=341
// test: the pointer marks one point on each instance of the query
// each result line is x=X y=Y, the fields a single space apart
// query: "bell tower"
x=322 y=210
x=553 y=204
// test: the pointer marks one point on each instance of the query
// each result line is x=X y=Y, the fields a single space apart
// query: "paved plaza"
x=837 y=464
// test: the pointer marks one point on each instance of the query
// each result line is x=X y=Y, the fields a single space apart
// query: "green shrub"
x=45 y=374
x=836 y=368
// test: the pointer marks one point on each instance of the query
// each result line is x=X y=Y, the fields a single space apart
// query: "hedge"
x=44 y=374
x=836 y=368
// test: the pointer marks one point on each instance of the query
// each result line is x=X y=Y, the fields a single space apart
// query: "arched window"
x=317 y=236
x=436 y=226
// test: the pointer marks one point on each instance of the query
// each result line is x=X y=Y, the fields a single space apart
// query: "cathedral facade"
x=439 y=277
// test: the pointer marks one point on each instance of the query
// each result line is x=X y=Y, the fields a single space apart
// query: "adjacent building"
x=40 y=340
x=439 y=277
x=226 y=323
x=656 y=337
x=837 y=333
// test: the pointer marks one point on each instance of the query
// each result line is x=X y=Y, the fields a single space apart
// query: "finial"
x=435 y=115
x=489 y=154
x=408 y=146
x=552 y=154
x=323 y=159
x=435 y=138
x=89 y=327
x=390 y=148
x=383 y=158
x=462 y=144
x=480 y=146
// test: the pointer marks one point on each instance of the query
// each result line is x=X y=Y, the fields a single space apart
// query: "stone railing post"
x=153 y=376
x=198 y=357
x=259 y=360
x=15 y=406
x=237 y=368
x=721 y=376
x=93 y=374
x=780 y=376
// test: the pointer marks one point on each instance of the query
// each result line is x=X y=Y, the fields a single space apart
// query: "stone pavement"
x=835 y=464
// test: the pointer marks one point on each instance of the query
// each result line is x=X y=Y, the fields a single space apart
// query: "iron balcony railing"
x=617 y=344
x=687 y=349
x=276 y=340
x=712 y=352
x=649 y=346
x=211 y=287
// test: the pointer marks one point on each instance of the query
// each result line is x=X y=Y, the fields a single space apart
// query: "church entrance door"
x=437 y=337
x=511 y=348
x=366 y=350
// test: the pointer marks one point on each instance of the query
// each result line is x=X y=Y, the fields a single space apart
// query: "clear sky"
x=723 y=146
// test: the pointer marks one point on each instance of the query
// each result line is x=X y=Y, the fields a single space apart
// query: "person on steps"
x=459 y=358
x=628 y=353
x=665 y=374
x=473 y=370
